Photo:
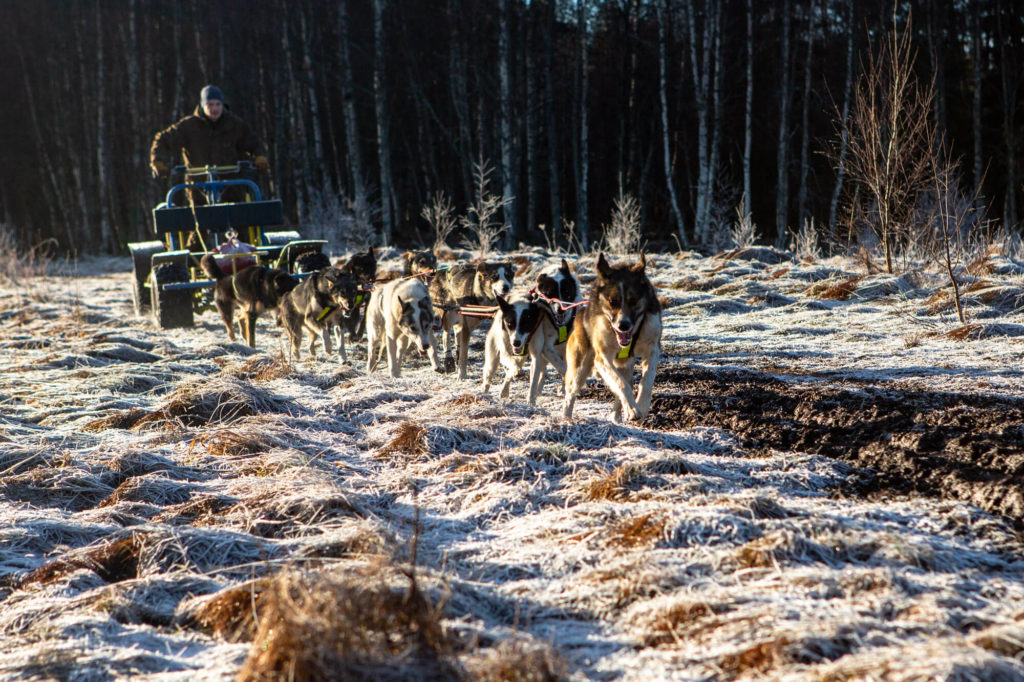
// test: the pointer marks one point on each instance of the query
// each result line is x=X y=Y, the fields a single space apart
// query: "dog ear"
x=640 y=265
x=506 y=307
x=481 y=267
x=603 y=269
x=565 y=266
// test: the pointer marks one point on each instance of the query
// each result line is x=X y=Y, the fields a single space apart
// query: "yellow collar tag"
x=359 y=299
x=624 y=353
x=563 y=334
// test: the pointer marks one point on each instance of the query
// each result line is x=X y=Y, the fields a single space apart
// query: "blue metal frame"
x=215 y=187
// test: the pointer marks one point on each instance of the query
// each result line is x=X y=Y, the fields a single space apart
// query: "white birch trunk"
x=505 y=115
x=782 y=154
x=666 y=154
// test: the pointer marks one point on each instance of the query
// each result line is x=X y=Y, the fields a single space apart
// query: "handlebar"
x=211 y=171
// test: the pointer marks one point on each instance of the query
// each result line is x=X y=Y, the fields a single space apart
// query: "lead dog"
x=399 y=315
x=319 y=301
x=255 y=290
x=518 y=332
x=620 y=325
x=467 y=284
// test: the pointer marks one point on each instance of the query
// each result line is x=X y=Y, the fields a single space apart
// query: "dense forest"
x=372 y=108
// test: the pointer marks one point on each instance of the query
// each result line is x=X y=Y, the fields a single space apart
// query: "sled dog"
x=620 y=325
x=419 y=263
x=363 y=267
x=556 y=284
x=254 y=290
x=467 y=284
x=318 y=301
x=398 y=316
x=518 y=332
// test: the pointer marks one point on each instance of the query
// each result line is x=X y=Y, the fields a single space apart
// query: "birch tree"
x=505 y=115
x=663 y=19
x=782 y=153
x=355 y=159
x=383 y=124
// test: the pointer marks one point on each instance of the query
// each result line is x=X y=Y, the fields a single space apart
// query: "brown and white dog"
x=467 y=284
x=254 y=290
x=399 y=316
x=619 y=326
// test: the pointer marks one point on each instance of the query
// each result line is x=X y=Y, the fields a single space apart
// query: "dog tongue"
x=623 y=337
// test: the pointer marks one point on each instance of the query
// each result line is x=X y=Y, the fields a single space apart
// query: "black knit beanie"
x=211 y=92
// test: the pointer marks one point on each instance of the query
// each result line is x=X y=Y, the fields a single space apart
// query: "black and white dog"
x=518 y=332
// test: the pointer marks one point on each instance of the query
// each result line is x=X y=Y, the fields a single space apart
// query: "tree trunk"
x=700 y=64
x=459 y=91
x=805 y=135
x=529 y=126
x=582 y=223
x=355 y=158
x=782 y=154
x=383 y=124
x=748 y=113
x=197 y=30
x=1009 y=114
x=845 y=136
x=106 y=232
x=299 y=140
x=976 y=56
x=319 y=166
x=662 y=58
x=549 y=116
x=505 y=116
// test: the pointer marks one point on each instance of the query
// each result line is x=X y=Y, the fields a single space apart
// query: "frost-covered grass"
x=177 y=507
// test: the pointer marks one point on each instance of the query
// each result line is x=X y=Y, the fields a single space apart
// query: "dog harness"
x=627 y=352
x=327 y=311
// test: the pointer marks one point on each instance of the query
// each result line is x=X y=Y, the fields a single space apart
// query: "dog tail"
x=210 y=267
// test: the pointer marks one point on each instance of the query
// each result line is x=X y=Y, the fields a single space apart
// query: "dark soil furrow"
x=963 y=446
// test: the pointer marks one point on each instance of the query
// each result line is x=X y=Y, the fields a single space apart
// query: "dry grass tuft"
x=355 y=624
x=231 y=614
x=518 y=660
x=227 y=443
x=615 y=485
x=637 y=531
x=670 y=625
x=466 y=399
x=964 y=333
x=757 y=658
x=840 y=291
x=1007 y=640
x=263 y=368
x=216 y=402
x=410 y=439
x=119 y=420
x=113 y=561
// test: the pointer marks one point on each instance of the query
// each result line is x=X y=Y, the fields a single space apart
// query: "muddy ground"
x=956 y=446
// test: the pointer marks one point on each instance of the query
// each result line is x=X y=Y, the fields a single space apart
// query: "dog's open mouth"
x=518 y=348
x=624 y=338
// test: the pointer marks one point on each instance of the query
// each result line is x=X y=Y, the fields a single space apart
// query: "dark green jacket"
x=203 y=142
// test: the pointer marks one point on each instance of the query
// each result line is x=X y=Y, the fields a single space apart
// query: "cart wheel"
x=173 y=308
x=142 y=263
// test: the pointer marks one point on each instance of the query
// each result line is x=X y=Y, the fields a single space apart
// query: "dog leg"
x=432 y=353
x=250 y=328
x=619 y=386
x=511 y=370
x=463 y=350
x=646 y=387
x=536 y=376
x=579 y=365
x=393 y=366
x=372 y=339
x=227 y=314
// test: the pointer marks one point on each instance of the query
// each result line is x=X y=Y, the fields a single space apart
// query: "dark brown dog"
x=363 y=268
x=254 y=290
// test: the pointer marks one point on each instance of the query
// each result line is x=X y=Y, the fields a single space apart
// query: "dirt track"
x=967 y=447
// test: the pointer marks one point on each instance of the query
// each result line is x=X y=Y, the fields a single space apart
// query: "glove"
x=261 y=163
x=160 y=169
